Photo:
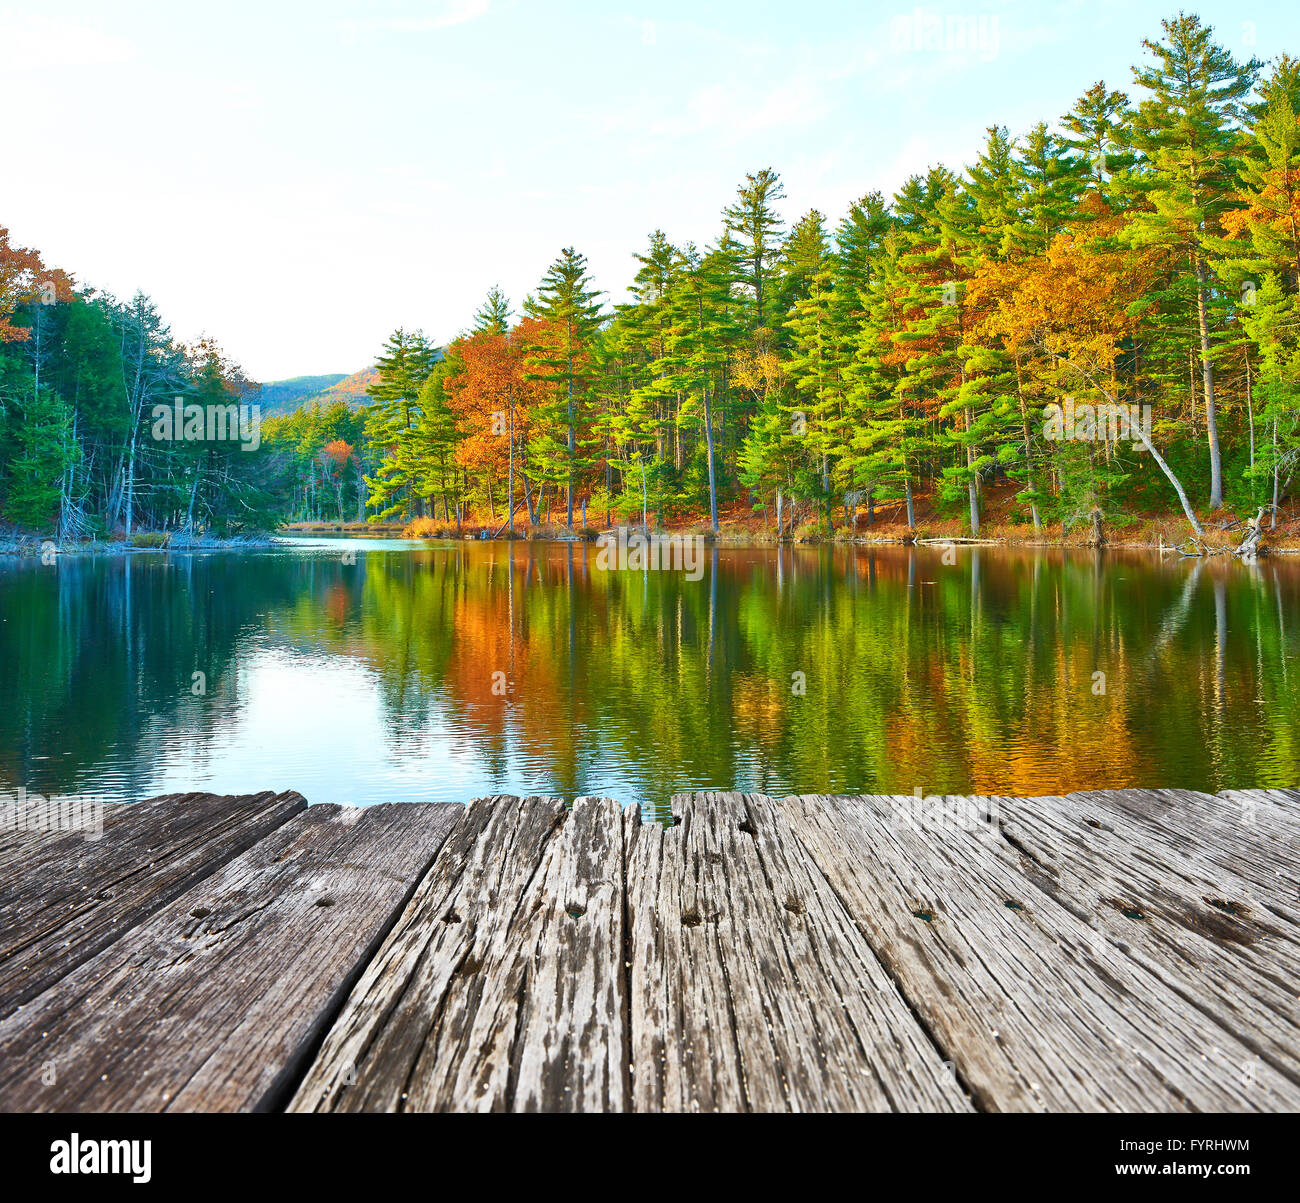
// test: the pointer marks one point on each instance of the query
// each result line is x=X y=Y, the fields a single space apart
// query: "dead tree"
x=1249 y=546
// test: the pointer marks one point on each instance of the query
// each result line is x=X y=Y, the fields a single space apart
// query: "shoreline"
x=151 y=543
x=155 y=543
x=1218 y=542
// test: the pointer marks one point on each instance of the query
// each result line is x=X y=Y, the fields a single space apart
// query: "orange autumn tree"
x=493 y=402
x=24 y=279
x=1065 y=318
x=334 y=458
x=336 y=453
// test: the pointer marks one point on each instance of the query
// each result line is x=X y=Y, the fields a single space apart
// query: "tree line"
x=83 y=379
x=1135 y=264
x=1138 y=259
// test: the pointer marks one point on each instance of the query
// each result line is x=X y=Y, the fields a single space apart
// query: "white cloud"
x=35 y=44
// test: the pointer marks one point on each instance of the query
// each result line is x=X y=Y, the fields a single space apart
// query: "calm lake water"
x=408 y=672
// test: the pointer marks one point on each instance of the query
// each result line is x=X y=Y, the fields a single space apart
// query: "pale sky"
x=298 y=179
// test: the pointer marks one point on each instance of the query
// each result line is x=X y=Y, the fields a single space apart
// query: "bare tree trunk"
x=1098 y=529
x=1207 y=383
x=1276 y=478
x=708 y=438
x=1250 y=410
x=645 y=499
x=1149 y=445
x=194 y=492
x=572 y=446
x=972 y=484
x=511 y=502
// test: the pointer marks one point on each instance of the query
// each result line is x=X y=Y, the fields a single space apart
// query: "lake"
x=369 y=671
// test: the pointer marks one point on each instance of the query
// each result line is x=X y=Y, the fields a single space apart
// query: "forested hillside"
x=1134 y=262
x=284 y=396
x=351 y=390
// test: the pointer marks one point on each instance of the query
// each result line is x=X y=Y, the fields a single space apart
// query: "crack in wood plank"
x=500 y=986
x=64 y=898
x=215 y=1017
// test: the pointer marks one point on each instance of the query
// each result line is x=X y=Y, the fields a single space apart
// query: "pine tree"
x=886 y=422
x=944 y=248
x=493 y=316
x=1260 y=260
x=569 y=305
x=393 y=425
x=1098 y=128
x=43 y=453
x=1186 y=130
x=1049 y=187
x=758 y=229
x=703 y=335
x=815 y=368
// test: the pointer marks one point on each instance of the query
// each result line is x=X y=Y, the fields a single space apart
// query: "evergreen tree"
x=1187 y=132
x=493 y=316
x=393 y=426
x=816 y=366
x=758 y=227
x=1098 y=128
x=569 y=305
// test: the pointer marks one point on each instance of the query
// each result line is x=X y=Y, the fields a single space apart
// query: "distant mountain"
x=349 y=389
x=284 y=396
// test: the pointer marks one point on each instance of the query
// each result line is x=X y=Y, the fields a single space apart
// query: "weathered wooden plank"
x=501 y=987
x=1249 y=834
x=216 y=1001
x=1282 y=806
x=64 y=897
x=1182 y=916
x=752 y=988
x=1036 y=1009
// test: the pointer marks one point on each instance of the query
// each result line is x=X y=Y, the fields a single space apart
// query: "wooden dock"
x=1127 y=951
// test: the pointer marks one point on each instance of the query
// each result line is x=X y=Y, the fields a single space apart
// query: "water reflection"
x=440 y=673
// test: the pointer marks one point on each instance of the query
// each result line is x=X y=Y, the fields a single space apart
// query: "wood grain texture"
x=752 y=988
x=1252 y=834
x=215 y=1002
x=501 y=986
x=1131 y=950
x=1174 y=909
x=1038 y=1009
x=64 y=897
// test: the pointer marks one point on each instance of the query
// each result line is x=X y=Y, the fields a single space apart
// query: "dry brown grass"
x=428 y=528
